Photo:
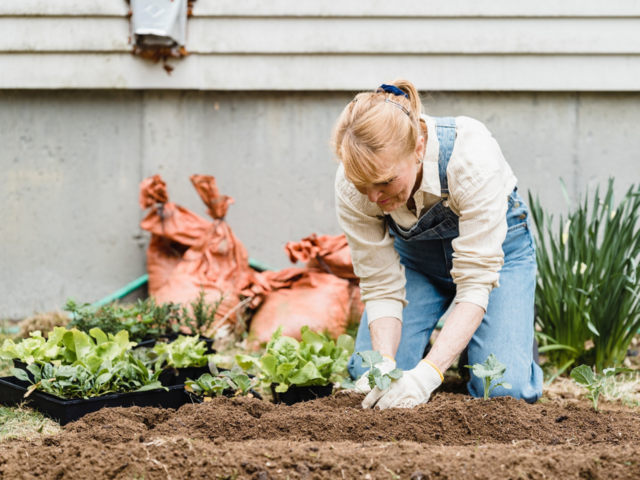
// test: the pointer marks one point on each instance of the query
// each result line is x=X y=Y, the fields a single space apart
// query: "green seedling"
x=584 y=377
x=316 y=360
x=370 y=359
x=489 y=371
x=100 y=376
x=183 y=352
x=85 y=365
x=36 y=348
x=209 y=386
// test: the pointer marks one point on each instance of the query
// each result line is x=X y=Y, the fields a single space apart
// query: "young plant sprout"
x=209 y=386
x=315 y=361
x=370 y=358
x=489 y=371
x=584 y=377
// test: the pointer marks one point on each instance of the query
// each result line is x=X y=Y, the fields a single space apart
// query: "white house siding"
x=82 y=121
x=332 y=45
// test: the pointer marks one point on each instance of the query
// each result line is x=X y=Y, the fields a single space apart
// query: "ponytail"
x=414 y=97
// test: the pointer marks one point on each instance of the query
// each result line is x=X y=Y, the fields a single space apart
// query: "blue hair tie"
x=392 y=89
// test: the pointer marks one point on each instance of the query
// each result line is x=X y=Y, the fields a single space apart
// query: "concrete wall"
x=71 y=161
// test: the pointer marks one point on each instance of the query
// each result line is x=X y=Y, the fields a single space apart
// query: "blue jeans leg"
x=507 y=329
x=427 y=303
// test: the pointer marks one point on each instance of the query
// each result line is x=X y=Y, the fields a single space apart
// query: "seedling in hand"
x=489 y=371
x=584 y=377
x=370 y=359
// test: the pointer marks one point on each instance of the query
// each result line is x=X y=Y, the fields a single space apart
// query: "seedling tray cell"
x=170 y=376
x=12 y=392
x=148 y=343
x=301 y=394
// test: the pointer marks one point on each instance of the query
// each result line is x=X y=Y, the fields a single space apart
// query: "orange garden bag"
x=188 y=253
x=299 y=297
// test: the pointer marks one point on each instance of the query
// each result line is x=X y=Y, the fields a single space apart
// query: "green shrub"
x=587 y=285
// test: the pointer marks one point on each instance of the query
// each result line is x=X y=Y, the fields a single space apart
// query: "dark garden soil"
x=454 y=436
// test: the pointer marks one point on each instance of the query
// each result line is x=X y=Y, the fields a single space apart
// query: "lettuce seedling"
x=317 y=360
x=36 y=348
x=489 y=371
x=209 y=386
x=181 y=353
x=584 y=377
x=371 y=358
x=90 y=379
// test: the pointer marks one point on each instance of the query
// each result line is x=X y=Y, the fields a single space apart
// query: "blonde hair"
x=373 y=122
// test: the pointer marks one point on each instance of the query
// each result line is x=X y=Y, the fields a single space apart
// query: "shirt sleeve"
x=375 y=261
x=479 y=189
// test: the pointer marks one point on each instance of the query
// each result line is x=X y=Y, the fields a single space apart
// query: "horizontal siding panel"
x=341 y=8
x=417 y=8
x=67 y=8
x=409 y=36
x=336 y=36
x=58 y=34
x=327 y=72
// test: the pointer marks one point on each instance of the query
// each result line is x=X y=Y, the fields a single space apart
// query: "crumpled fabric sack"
x=331 y=254
x=295 y=297
x=188 y=253
x=173 y=230
x=328 y=253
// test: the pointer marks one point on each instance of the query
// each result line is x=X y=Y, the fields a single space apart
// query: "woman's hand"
x=416 y=386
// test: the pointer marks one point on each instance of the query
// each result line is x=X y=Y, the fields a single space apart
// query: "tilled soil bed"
x=454 y=436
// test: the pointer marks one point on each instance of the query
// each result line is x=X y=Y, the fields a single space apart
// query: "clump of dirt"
x=448 y=419
x=180 y=457
x=117 y=425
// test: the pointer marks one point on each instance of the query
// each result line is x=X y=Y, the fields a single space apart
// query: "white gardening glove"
x=388 y=364
x=415 y=387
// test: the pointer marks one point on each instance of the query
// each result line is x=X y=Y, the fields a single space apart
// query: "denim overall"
x=426 y=251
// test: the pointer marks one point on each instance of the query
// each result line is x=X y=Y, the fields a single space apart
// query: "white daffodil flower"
x=565 y=232
x=583 y=268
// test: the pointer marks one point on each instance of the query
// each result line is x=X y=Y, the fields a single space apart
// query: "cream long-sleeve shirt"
x=480 y=182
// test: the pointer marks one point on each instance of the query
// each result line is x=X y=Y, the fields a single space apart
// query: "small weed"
x=393 y=475
x=585 y=377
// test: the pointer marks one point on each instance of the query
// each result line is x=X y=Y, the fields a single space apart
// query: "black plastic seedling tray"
x=195 y=398
x=23 y=366
x=12 y=392
x=148 y=343
x=172 y=337
x=300 y=394
x=172 y=376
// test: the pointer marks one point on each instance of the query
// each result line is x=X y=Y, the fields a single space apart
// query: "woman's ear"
x=421 y=146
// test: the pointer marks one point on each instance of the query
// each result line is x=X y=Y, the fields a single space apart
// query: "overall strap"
x=446 y=132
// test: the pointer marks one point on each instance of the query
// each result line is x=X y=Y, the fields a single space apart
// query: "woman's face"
x=402 y=183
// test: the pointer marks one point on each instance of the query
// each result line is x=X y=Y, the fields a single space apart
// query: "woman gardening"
x=432 y=215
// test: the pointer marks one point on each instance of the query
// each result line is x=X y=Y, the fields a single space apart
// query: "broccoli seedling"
x=584 y=377
x=370 y=358
x=489 y=371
